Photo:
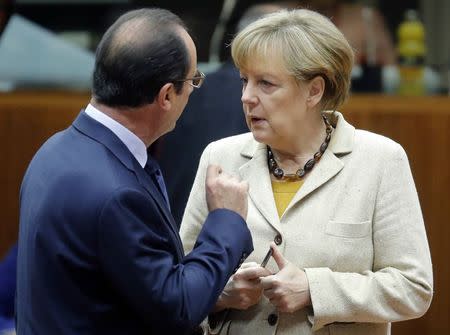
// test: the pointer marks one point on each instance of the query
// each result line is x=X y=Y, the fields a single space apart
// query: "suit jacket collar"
x=98 y=132
x=256 y=172
x=105 y=136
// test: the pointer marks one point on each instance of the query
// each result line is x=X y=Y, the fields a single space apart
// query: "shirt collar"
x=133 y=143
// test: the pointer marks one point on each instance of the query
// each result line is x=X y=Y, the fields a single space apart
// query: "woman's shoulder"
x=373 y=143
x=234 y=144
x=348 y=138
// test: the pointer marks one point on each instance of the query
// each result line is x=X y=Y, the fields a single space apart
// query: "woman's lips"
x=256 y=120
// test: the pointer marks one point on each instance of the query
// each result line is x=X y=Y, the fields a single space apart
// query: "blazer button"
x=278 y=239
x=272 y=319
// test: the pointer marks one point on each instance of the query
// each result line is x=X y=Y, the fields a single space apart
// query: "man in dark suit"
x=99 y=251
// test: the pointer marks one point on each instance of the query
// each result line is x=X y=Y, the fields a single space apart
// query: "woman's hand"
x=243 y=288
x=288 y=289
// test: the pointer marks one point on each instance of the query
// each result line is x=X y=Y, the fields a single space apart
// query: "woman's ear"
x=165 y=96
x=316 y=88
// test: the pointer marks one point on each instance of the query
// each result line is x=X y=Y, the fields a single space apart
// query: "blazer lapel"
x=146 y=181
x=330 y=164
x=102 y=134
x=151 y=188
x=256 y=173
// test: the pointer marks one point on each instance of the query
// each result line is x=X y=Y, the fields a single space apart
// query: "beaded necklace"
x=301 y=172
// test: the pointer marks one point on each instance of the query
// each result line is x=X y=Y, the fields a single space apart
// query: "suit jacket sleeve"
x=400 y=285
x=139 y=257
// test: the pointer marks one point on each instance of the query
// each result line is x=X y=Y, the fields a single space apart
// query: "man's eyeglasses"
x=195 y=81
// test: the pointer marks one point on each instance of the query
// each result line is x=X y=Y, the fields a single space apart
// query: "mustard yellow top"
x=283 y=192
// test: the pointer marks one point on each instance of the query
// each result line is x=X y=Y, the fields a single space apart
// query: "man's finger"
x=267 y=282
x=270 y=294
x=247 y=265
x=251 y=273
x=245 y=185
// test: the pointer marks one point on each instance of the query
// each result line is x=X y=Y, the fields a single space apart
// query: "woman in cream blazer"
x=351 y=252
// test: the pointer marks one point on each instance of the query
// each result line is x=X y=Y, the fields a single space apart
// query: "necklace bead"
x=278 y=172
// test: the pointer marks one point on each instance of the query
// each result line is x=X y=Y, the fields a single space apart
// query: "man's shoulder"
x=70 y=158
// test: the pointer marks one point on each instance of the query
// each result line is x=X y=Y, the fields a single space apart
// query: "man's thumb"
x=277 y=256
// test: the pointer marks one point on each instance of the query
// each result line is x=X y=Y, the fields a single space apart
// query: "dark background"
x=201 y=16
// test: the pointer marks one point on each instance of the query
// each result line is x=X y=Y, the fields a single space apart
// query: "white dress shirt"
x=134 y=144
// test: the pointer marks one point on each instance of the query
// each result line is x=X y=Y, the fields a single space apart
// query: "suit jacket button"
x=278 y=239
x=272 y=319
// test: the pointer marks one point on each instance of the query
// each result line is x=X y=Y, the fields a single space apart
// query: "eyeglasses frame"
x=200 y=76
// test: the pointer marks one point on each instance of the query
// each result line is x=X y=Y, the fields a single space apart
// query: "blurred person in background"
x=365 y=28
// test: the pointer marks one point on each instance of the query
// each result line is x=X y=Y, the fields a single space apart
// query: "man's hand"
x=243 y=288
x=288 y=289
x=225 y=191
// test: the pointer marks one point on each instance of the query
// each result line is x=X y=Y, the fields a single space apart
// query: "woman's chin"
x=259 y=136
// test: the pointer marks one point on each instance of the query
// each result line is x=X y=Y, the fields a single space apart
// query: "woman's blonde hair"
x=310 y=45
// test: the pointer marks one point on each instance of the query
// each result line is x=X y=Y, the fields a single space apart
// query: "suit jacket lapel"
x=102 y=134
x=146 y=181
x=151 y=188
x=330 y=164
x=256 y=173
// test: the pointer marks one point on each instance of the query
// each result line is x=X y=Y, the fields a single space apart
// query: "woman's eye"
x=244 y=80
x=266 y=83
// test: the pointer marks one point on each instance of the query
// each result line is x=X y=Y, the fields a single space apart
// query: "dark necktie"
x=152 y=169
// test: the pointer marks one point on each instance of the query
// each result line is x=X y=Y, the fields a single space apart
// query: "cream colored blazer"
x=355 y=227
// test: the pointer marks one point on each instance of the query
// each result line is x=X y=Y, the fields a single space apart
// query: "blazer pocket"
x=348 y=229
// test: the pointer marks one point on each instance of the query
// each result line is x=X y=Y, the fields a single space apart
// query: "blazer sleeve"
x=400 y=285
x=139 y=258
x=196 y=207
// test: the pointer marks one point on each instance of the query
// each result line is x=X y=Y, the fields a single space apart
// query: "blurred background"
x=374 y=28
x=400 y=88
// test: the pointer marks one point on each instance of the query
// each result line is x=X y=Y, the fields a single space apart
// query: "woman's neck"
x=295 y=151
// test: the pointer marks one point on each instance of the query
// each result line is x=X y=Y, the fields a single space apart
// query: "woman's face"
x=274 y=102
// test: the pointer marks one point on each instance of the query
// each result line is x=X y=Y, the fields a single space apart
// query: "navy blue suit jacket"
x=99 y=251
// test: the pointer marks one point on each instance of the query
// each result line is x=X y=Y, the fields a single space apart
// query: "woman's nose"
x=248 y=95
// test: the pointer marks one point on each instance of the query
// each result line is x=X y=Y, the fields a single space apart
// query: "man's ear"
x=165 y=96
x=316 y=88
